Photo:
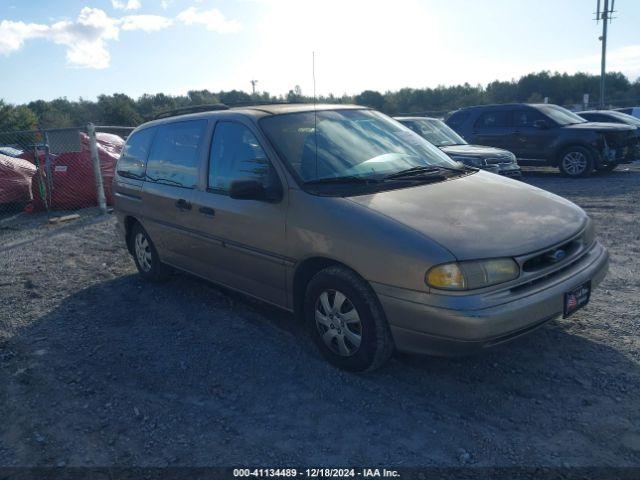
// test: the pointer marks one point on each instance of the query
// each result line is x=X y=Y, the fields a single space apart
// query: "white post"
x=95 y=158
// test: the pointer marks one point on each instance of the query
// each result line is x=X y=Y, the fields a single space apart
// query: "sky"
x=84 y=48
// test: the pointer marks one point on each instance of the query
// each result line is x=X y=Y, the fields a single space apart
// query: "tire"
x=331 y=298
x=607 y=168
x=146 y=256
x=576 y=162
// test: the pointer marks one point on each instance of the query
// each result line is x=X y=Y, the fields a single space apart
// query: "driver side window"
x=237 y=155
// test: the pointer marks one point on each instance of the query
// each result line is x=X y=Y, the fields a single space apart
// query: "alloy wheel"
x=143 y=251
x=338 y=323
x=574 y=163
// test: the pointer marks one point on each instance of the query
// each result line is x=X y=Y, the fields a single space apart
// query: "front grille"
x=548 y=264
x=531 y=283
x=552 y=256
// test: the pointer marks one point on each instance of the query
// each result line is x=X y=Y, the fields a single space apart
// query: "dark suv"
x=544 y=134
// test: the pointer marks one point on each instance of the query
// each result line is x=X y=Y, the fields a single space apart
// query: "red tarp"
x=72 y=183
x=15 y=180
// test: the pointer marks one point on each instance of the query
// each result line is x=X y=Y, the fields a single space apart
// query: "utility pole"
x=253 y=86
x=606 y=15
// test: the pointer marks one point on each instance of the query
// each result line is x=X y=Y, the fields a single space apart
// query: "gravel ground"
x=98 y=368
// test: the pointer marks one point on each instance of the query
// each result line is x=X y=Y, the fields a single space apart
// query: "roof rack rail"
x=191 y=109
x=258 y=104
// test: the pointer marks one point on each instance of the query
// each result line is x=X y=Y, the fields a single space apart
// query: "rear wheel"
x=346 y=320
x=576 y=162
x=146 y=256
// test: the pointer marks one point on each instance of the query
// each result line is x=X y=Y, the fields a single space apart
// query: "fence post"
x=95 y=158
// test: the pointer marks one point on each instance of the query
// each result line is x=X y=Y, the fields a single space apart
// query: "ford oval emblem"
x=557 y=255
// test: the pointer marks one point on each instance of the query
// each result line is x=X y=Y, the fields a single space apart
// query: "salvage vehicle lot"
x=99 y=368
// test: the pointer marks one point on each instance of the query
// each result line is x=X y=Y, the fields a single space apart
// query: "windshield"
x=628 y=119
x=560 y=115
x=348 y=143
x=435 y=132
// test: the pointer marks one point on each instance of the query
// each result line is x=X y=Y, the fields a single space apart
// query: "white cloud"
x=126 y=5
x=165 y=4
x=146 y=23
x=86 y=39
x=13 y=34
x=213 y=20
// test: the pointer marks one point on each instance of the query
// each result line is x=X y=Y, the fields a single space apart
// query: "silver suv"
x=356 y=224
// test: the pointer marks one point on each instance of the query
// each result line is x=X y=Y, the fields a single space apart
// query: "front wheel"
x=576 y=162
x=346 y=320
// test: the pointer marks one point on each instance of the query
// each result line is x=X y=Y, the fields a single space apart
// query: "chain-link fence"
x=55 y=171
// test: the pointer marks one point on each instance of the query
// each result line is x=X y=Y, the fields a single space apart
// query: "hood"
x=600 y=127
x=481 y=215
x=475 y=151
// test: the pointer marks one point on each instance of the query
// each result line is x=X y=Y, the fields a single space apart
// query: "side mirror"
x=252 y=190
x=541 y=124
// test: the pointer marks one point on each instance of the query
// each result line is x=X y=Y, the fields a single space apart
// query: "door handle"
x=209 y=212
x=182 y=204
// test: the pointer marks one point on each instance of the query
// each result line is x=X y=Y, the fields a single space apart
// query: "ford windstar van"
x=373 y=236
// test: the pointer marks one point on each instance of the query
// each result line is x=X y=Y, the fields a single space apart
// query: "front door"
x=529 y=141
x=241 y=243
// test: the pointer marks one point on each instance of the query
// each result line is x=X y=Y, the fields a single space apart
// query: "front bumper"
x=510 y=170
x=506 y=169
x=421 y=323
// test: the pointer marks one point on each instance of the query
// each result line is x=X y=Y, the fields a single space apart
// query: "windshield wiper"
x=414 y=171
x=343 y=179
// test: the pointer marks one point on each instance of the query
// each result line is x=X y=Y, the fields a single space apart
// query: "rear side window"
x=457 y=118
x=174 y=155
x=526 y=117
x=237 y=155
x=595 y=117
x=133 y=160
x=493 y=119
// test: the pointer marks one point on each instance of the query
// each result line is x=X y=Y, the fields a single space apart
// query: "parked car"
x=372 y=235
x=613 y=116
x=436 y=132
x=633 y=111
x=544 y=134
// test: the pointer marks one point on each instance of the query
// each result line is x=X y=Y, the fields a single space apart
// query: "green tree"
x=370 y=98
x=18 y=118
x=118 y=109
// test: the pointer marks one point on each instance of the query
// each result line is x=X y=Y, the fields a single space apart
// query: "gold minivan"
x=356 y=224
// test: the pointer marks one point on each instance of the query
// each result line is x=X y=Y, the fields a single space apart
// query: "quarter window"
x=133 y=161
x=237 y=155
x=174 y=155
x=495 y=119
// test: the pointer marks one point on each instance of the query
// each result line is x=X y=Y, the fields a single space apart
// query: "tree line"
x=120 y=109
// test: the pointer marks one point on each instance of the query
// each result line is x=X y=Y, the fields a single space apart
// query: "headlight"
x=472 y=275
x=475 y=161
